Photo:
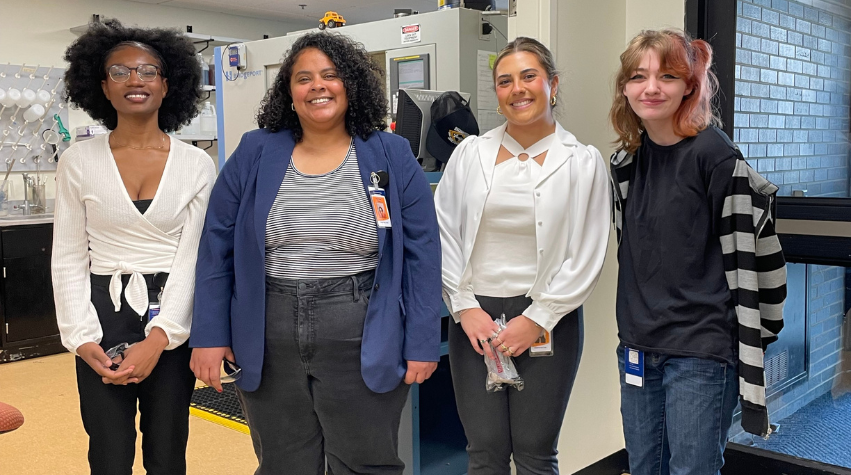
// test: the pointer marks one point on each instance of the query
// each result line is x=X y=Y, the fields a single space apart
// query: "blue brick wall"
x=792 y=107
x=792 y=111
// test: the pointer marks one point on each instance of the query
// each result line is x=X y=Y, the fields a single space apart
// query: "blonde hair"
x=688 y=59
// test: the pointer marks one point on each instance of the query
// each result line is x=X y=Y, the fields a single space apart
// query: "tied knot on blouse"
x=136 y=292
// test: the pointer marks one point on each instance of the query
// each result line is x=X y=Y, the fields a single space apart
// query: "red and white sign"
x=410 y=34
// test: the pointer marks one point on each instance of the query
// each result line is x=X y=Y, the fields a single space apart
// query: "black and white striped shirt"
x=321 y=226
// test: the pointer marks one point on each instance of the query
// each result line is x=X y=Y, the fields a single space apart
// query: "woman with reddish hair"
x=702 y=280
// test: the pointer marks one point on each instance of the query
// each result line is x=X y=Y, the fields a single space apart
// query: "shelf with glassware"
x=203 y=126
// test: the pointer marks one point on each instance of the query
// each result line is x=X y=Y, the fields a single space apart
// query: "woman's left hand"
x=144 y=355
x=519 y=334
x=419 y=371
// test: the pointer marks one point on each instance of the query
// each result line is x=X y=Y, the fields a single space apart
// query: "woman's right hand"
x=479 y=326
x=95 y=357
x=206 y=363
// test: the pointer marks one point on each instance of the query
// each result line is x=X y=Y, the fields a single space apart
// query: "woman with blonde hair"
x=702 y=279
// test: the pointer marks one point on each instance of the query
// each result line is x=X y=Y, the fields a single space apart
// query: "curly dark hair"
x=87 y=68
x=360 y=75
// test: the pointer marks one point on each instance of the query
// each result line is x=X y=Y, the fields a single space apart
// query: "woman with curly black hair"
x=326 y=302
x=129 y=212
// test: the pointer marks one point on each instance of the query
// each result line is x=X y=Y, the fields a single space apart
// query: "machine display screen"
x=412 y=74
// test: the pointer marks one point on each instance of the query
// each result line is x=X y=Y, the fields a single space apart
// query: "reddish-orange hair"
x=683 y=57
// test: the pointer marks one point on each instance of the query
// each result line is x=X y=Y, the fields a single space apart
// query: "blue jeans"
x=677 y=423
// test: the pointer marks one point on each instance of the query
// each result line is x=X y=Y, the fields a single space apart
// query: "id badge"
x=543 y=346
x=153 y=311
x=633 y=367
x=379 y=206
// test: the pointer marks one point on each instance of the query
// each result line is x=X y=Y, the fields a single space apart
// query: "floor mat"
x=219 y=407
x=818 y=431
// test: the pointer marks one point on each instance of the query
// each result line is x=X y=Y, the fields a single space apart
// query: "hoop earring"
x=553 y=101
x=292 y=106
x=498 y=110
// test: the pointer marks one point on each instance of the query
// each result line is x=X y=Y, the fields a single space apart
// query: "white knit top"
x=98 y=230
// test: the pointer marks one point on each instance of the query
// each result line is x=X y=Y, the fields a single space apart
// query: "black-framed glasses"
x=121 y=73
x=232 y=372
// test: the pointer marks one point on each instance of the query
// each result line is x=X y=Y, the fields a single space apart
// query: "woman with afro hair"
x=129 y=213
x=326 y=306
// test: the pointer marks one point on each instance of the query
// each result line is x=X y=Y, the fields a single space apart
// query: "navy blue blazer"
x=403 y=317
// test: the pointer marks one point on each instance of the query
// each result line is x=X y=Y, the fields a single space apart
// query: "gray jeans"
x=312 y=402
x=523 y=423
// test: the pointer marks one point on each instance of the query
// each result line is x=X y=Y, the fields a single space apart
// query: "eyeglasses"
x=116 y=354
x=145 y=72
x=232 y=372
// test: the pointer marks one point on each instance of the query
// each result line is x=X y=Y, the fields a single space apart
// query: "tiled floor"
x=52 y=439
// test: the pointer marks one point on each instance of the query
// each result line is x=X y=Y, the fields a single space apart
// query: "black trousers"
x=109 y=411
x=526 y=423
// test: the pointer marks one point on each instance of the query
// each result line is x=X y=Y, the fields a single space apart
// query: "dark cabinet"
x=26 y=294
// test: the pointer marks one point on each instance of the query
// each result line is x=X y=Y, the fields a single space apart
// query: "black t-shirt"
x=673 y=296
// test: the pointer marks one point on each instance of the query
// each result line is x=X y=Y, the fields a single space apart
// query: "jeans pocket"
x=339 y=318
x=703 y=371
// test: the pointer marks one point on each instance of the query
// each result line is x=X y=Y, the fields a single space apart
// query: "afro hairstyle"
x=360 y=75
x=87 y=68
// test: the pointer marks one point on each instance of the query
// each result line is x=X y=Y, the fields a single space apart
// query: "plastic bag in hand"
x=502 y=373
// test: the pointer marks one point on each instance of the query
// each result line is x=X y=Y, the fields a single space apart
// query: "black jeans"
x=524 y=423
x=109 y=411
x=312 y=402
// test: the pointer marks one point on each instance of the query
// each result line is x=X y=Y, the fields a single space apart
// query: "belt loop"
x=355 y=289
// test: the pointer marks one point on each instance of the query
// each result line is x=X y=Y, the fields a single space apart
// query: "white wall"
x=587 y=48
x=37 y=32
x=653 y=15
x=588 y=39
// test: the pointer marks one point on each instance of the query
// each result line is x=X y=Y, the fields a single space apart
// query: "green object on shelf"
x=66 y=136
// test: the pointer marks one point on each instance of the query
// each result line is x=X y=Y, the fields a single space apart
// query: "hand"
x=95 y=357
x=519 y=334
x=479 y=327
x=419 y=371
x=144 y=355
x=206 y=363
